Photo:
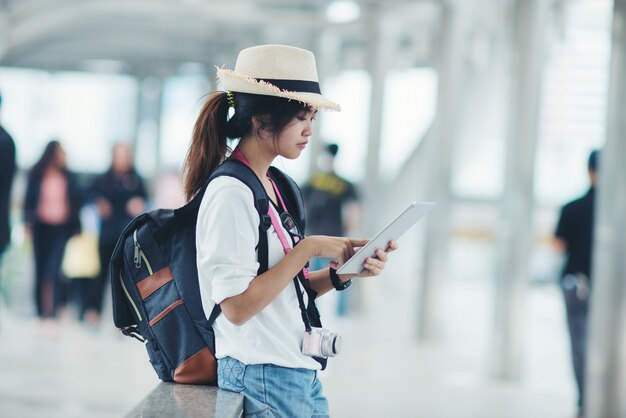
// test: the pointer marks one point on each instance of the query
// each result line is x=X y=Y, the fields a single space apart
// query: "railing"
x=174 y=400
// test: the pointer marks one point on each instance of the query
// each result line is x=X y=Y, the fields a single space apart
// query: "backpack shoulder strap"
x=240 y=171
x=236 y=169
x=292 y=194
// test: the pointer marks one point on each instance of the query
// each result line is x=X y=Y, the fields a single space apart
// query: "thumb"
x=358 y=242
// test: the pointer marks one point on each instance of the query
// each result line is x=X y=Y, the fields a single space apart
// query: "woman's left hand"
x=373 y=266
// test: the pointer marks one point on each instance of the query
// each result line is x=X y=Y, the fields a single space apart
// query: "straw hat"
x=277 y=70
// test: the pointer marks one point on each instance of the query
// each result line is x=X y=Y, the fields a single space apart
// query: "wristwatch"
x=336 y=281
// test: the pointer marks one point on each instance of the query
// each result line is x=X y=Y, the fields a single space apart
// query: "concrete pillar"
x=377 y=65
x=147 y=138
x=515 y=231
x=450 y=67
x=328 y=52
x=606 y=364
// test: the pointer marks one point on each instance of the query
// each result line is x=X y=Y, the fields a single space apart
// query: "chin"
x=292 y=155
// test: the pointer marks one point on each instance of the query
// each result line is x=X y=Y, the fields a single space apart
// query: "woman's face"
x=295 y=137
x=59 y=157
x=122 y=160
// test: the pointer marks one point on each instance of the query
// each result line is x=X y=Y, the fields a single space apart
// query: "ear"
x=260 y=125
x=257 y=126
x=257 y=123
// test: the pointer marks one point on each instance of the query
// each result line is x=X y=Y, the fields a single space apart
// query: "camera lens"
x=337 y=344
x=330 y=345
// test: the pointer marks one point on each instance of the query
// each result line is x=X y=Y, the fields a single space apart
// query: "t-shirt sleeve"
x=562 y=227
x=227 y=236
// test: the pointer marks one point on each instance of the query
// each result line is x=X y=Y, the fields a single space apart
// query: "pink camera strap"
x=237 y=154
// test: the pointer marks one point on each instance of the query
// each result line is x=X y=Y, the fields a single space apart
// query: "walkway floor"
x=77 y=372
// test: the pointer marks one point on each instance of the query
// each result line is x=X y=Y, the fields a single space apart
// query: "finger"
x=351 y=249
x=358 y=242
x=391 y=246
x=382 y=255
x=376 y=263
x=347 y=252
x=371 y=269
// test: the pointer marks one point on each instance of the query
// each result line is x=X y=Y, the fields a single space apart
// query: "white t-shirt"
x=226 y=238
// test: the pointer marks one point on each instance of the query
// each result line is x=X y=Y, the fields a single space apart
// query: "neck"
x=119 y=172
x=259 y=157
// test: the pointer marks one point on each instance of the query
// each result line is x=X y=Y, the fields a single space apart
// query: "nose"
x=308 y=129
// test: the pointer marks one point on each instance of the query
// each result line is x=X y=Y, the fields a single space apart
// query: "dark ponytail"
x=208 y=143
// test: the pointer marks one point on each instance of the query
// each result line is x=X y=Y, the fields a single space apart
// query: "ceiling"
x=155 y=37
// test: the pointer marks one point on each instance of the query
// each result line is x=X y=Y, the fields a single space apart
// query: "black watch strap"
x=336 y=281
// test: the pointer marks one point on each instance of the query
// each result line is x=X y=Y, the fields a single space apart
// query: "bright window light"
x=343 y=11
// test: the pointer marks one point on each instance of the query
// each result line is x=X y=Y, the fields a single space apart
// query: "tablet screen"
x=393 y=231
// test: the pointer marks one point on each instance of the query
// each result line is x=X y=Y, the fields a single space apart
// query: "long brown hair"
x=209 y=141
x=47 y=159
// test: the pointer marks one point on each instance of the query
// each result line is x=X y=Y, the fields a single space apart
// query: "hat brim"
x=232 y=81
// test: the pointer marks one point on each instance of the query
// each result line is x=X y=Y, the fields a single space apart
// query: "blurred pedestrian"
x=51 y=217
x=119 y=195
x=7 y=173
x=574 y=239
x=333 y=208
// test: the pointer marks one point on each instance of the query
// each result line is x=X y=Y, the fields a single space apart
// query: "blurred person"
x=119 y=195
x=168 y=192
x=574 y=239
x=51 y=216
x=333 y=208
x=7 y=173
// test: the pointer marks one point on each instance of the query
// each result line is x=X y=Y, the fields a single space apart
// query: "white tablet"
x=393 y=231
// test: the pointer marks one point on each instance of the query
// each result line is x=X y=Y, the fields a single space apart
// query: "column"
x=515 y=232
x=450 y=67
x=328 y=50
x=606 y=366
x=147 y=137
x=377 y=65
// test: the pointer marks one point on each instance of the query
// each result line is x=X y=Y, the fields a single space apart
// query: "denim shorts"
x=273 y=391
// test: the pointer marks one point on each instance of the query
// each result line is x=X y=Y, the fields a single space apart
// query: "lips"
x=303 y=144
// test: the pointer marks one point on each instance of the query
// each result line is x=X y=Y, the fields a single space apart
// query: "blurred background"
x=490 y=108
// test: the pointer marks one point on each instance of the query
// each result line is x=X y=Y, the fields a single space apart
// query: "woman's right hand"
x=338 y=248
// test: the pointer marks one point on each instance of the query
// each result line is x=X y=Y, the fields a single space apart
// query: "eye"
x=305 y=116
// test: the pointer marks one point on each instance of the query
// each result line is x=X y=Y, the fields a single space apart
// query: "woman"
x=274 y=96
x=119 y=195
x=51 y=216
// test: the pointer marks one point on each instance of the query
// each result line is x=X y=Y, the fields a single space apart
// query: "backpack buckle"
x=133 y=332
x=266 y=222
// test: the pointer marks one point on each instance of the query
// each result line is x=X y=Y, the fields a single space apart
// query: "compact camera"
x=320 y=342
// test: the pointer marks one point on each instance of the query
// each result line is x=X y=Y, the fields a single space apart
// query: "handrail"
x=175 y=400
